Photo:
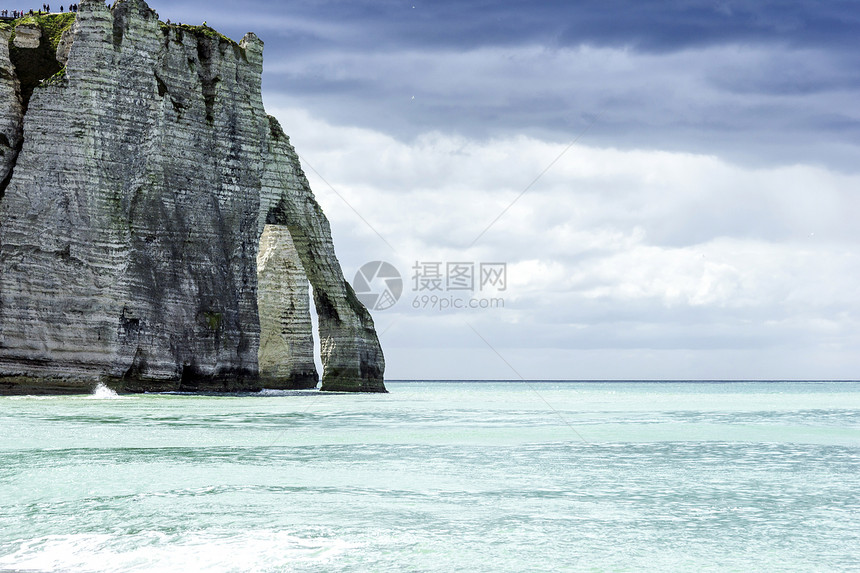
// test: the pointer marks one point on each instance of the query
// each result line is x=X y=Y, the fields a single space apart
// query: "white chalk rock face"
x=351 y=356
x=286 y=340
x=132 y=217
x=11 y=112
x=27 y=36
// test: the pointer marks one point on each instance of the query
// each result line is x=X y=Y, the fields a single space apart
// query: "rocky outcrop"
x=64 y=46
x=132 y=220
x=27 y=36
x=351 y=355
x=286 y=340
x=11 y=113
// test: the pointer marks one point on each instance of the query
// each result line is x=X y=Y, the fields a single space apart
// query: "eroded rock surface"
x=286 y=340
x=131 y=220
x=11 y=113
x=351 y=355
x=27 y=36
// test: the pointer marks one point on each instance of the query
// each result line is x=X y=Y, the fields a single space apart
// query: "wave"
x=222 y=550
x=102 y=392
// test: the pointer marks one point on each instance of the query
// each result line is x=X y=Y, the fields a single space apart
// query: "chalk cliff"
x=157 y=231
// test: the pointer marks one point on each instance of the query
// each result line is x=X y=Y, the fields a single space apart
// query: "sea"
x=437 y=476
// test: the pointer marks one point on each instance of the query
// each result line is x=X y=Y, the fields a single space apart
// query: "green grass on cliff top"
x=33 y=66
x=199 y=31
x=52 y=25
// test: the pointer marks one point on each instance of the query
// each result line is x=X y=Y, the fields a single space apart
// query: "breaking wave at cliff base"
x=102 y=392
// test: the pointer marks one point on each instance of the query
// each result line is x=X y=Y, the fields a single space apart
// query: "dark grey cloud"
x=468 y=24
x=756 y=82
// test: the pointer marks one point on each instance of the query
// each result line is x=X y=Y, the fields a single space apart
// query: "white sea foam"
x=102 y=392
x=270 y=392
x=158 y=551
x=266 y=392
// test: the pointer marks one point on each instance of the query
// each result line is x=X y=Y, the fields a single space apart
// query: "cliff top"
x=35 y=59
x=51 y=24
x=198 y=31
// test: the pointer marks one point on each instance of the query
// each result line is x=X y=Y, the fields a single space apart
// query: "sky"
x=671 y=188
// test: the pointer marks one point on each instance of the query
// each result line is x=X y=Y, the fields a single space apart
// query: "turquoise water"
x=437 y=477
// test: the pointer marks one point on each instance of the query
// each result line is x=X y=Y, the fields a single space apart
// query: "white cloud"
x=633 y=262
